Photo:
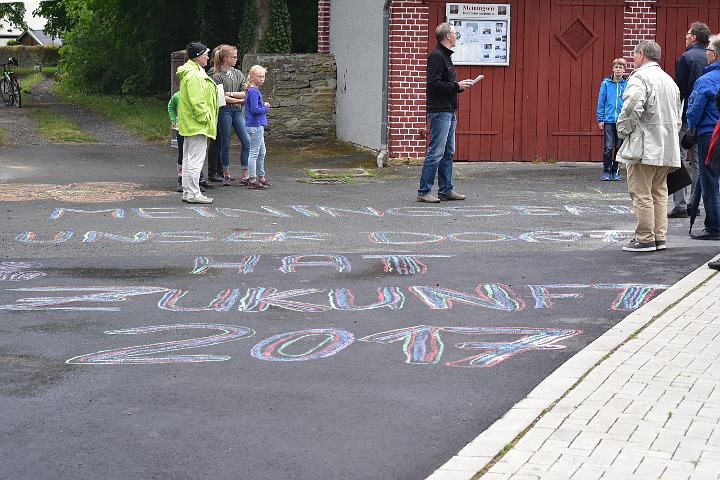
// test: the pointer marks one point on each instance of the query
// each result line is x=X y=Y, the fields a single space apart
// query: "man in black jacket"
x=688 y=68
x=442 y=90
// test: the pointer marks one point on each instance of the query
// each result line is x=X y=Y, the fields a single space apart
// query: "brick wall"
x=640 y=24
x=323 y=26
x=406 y=92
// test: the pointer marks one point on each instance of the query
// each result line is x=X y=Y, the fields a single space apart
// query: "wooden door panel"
x=541 y=107
x=674 y=18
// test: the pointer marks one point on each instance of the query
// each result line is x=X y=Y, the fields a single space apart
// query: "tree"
x=115 y=46
x=124 y=46
x=55 y=12
x=217 y=21
x=304 y=14
x=266 y=27
x=12 y=15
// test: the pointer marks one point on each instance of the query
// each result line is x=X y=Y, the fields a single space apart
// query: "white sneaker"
x=199 y=199
x=184 y=197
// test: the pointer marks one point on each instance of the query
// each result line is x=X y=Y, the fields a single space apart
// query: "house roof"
x=40 y=37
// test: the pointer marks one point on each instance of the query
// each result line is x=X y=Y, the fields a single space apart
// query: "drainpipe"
x=386 y=81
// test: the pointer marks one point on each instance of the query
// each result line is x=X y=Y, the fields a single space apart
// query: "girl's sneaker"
x=226 y=182
x=244 y=181
x=256 y=186
x=265 y=183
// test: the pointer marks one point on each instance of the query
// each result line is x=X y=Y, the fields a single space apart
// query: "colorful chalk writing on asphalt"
x=422 y=345
x=494 y=296
x=19 y=271
x=276 y=348
x=135 y=355
x=326 y=212
x=386 y=238
x=155 y=214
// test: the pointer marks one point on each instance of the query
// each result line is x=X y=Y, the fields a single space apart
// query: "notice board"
x=484 y=30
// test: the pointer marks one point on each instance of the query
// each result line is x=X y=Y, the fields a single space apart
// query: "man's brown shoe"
x=451 y=196
x=206 y=184
x=428 y=198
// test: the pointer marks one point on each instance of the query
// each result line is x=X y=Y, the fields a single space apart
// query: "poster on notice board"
x=484 y=30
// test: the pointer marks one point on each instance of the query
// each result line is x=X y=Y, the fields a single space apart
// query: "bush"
x=123 y=47
x=46 y=55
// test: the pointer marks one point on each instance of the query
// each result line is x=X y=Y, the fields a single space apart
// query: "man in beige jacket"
x=649 y=122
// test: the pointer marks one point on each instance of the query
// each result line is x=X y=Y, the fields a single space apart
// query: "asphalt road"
x=310 y=331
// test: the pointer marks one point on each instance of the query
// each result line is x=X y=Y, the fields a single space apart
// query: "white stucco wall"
x=356 y=40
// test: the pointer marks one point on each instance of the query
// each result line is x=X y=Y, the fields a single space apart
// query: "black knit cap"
x=195 y=49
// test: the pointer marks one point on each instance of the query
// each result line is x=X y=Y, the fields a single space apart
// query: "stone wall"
x=300 y=89
x=28 y=57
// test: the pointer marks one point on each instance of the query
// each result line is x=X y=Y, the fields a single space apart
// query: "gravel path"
x=20 y=128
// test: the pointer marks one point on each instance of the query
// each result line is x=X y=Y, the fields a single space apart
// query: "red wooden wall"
x=673 y=20
x=542 y=107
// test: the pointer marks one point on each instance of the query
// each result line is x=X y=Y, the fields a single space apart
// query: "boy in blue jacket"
x=610 y=104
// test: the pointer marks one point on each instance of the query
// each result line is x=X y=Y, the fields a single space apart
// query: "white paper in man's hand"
x=478 y=78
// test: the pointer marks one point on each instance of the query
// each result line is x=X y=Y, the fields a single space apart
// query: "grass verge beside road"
x=59 y=129
x=29 y=78
x=146 y=117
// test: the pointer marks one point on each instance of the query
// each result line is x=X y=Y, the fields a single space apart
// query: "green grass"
x=2 y=136
x=539 y=160
x=29 y=77
x=30 y=80
x=145 y=117
x=58 y=128
x=347 y=176
x=47 y=72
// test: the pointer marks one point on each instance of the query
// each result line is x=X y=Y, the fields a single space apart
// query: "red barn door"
x=673 y=20
x=541 y=107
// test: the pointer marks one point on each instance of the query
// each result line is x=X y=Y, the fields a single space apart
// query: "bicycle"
x=9 y=85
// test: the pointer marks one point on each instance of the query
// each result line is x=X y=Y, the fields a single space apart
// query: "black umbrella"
x=695 y=204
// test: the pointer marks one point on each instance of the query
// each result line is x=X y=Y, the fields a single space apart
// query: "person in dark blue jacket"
x=688 y=69
x=610 y=104
x=702 y=113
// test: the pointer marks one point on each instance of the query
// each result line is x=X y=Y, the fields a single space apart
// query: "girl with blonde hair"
x=255 y=123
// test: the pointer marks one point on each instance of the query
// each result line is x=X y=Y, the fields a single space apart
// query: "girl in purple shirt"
x=255 y=122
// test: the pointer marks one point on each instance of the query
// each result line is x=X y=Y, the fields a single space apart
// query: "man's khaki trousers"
x=647 y=185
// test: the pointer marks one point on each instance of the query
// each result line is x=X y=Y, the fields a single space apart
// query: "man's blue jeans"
x=708 y=181
x=230 y=118
x=440 y=152
x=611 y=140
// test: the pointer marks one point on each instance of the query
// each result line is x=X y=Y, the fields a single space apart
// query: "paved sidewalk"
x=649 y=410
